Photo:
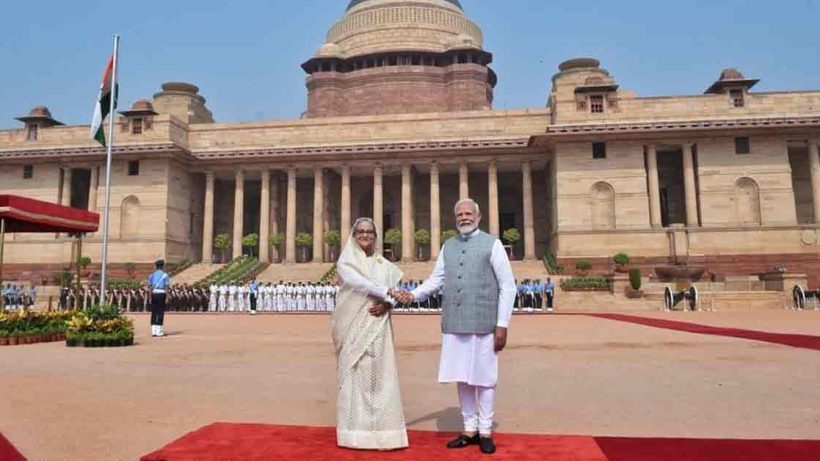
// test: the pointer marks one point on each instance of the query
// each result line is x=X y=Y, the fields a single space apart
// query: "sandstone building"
x=399 y=125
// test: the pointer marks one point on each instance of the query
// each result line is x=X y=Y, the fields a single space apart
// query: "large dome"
x=378 y=26
x=356 y=2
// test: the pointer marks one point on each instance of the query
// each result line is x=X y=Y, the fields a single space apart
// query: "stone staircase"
x=304 y=272
x=196 y=273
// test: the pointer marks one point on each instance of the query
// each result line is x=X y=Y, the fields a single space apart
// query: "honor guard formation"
x=532 y=296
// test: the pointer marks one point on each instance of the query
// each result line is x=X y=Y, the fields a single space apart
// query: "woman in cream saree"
x=370 y=415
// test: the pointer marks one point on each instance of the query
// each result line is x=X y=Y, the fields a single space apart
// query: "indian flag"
x=103 y=103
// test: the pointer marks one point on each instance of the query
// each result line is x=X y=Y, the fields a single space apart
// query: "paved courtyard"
x=561 y=374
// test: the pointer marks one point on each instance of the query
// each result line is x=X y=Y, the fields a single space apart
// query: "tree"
x=393 y=237
x=422 y=237
x=333 y=239
x=621 y=260
x=222 y=243
x=250 y=242
x=511 y=236
x=304 y=241
x=276 y=242
x=85 y=261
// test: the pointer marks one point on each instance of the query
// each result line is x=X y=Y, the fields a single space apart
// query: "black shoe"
x=463 y=441
x=487 y=445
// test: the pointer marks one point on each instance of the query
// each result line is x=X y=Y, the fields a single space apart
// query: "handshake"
x=402 y=296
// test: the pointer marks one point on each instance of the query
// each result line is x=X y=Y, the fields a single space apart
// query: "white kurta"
x=471 y=358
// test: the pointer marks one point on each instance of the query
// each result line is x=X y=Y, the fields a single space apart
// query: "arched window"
x=602 y=198
x=747 y=202
x=129 y=216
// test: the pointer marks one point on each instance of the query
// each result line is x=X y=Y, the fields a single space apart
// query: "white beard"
x=467 y=229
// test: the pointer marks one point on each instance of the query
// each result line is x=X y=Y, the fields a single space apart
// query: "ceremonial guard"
x=158 y=283
x=253 y=293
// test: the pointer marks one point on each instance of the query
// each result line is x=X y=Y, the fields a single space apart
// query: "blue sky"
x=245 y=55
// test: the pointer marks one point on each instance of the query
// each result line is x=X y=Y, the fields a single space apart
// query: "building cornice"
x=95 y=153
x=359 y=150
x=666 y=128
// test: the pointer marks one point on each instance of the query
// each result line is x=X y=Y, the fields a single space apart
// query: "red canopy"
x=28 y=215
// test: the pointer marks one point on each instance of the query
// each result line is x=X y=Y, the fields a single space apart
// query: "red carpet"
x=251 y=442
x=800 y=341
x=8 y=452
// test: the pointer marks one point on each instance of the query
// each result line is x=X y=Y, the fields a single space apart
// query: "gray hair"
x=367 y=220
x=467 y=200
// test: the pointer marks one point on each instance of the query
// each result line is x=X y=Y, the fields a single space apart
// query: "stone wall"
x=399 y=90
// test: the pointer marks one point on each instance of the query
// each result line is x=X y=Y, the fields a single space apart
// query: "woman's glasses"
x=364 y=232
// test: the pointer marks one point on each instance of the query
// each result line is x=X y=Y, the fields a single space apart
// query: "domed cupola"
x=401 y=56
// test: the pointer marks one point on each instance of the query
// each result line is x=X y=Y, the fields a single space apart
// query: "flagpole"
x=110 y=147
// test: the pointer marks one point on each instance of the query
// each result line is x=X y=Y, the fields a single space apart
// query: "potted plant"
x=448 y=234
x=634 y=288
x=130 y=269
x=276 y=242
x=393 y=238
x=620 y=260
x=511 y=236
x=222 y=242
x=583 y=267
x=422 y=237
x=303 y=242
x=333 y=239
x=85 y=261
x=250 y=242
x=66 y=277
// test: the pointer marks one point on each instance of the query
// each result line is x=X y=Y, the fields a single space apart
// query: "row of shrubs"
x=596 y=283
x=24 y=327
x=233 y=272
x=99 y=325
x=620 y=260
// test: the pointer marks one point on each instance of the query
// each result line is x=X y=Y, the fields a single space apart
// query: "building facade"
x=399 y=126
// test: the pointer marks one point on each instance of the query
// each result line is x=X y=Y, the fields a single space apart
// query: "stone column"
x=290 y=227
x=814 y=161
x=274 y=210
x=318 y=215
x=66 y=195
x=492 y=192
x=346 y=220
x=653 y=185
x=406 y=214
x=463 y=181
x=208 y=220
x=378 y=209
x=264 y=218
x=238 y=213
x=689 y=186
x=435 y=212
x=529 y=228
x=92 y=188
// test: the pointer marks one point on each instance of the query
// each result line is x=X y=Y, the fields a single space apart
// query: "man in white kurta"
x=471 y=360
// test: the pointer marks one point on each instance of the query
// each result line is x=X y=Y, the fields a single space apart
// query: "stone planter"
x=633 y=294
